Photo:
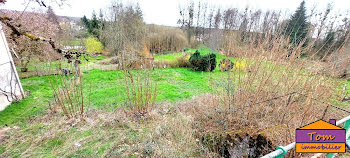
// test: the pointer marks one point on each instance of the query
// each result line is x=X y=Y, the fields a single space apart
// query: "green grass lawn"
x=107 y=87
x=108 y=91
x=37 y=67
x=36 y=64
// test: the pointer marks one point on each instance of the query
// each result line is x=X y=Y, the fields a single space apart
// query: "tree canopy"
x=297 y=27
x=92 y=25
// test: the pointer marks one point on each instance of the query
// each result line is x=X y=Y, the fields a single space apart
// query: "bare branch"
x=17 y=31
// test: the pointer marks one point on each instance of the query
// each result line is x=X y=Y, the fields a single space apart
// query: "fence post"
x=284 y=152
x=346 y=127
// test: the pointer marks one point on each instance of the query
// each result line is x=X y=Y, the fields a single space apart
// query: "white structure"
x=10 y=85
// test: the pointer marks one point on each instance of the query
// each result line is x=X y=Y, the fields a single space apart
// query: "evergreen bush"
x=203 y=62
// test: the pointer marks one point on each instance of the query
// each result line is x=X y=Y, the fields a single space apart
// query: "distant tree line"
x=123 y=32
x=218 y=28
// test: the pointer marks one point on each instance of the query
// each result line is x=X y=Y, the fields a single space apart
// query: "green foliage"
x=203 y=62
x=92 y=25
x=92 y=45
x=328 y=44
x=85 y=21
x=297 y=27
x=328 y=41
x=332 y=42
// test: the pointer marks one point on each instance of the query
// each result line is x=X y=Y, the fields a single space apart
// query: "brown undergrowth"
x=105 y=134
x=199 y=127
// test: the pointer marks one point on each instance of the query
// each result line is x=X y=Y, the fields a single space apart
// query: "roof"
x=320 y=124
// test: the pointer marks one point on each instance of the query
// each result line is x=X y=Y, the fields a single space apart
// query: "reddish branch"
x=17 y=31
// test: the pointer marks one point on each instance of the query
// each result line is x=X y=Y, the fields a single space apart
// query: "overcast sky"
x=165 y=12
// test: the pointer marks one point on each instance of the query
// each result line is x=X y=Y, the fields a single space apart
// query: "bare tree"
x=229 y=18
x=244 y=24
x=187 y=18
x=124 y=32
x=204 y=20
x=210 y=19
x=217 y=19
x=27 y=48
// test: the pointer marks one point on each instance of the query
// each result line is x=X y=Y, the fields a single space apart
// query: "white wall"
x=9 y=81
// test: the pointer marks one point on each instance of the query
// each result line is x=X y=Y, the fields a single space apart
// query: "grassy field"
x=108 y=93
x=173 y=85
x=107 y=87
x=38 y=68
x=107 y=131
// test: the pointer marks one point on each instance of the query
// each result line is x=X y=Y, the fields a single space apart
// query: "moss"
x=31 y=36
x=2 y=149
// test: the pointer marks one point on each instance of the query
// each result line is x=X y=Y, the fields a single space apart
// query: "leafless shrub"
x=162 y=39
x=141 y=91
x=69 y=92
x=272 y=84
x=273 y=99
